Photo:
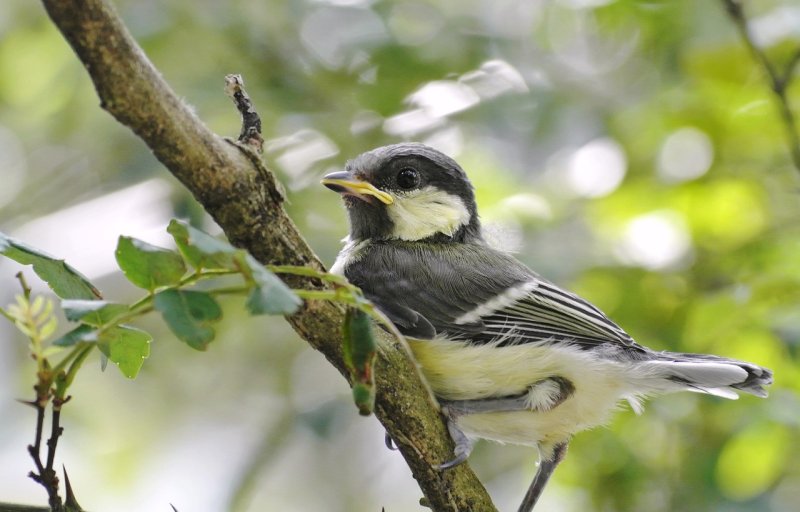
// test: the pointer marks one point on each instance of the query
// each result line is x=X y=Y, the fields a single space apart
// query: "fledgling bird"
x=510 y=356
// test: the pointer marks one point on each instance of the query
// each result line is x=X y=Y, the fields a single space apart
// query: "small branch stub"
x=251 y=122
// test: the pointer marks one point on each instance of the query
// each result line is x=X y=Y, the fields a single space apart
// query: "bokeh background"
x=628 y=150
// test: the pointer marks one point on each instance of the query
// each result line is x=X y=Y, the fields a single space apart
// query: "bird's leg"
x=542 y=396
x=503 y=404
x=546 y=467
x=390 y=444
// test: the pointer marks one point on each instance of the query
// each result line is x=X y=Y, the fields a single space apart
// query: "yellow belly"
x=459 y=371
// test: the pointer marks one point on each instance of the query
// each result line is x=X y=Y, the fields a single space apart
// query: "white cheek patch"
x=425 y=212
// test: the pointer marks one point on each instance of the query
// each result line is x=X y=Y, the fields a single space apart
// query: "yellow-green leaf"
x=125 y=346
x=148 y=266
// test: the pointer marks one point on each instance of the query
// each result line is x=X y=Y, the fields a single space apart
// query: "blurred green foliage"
x=628 y=149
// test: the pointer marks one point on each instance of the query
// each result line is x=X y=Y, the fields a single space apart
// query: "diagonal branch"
x=242 y=195
x=779 y=81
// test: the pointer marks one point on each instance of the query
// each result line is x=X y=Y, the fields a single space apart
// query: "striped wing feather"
x=548 y=312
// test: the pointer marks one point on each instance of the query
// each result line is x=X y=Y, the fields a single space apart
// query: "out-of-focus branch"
x=242 y=195
x=13 y=507
x=779 y=81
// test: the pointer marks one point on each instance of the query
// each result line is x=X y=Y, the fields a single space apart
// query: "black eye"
x=407 y=178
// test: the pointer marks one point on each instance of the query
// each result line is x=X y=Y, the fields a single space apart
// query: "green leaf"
x=81 y=333
x=148 y=266
x=64 y=280
x=360 y=350
x=364 y=397
x=270 y=296
x=126 y=346
x=200 y=249
x=189 y=315
x=92 y=312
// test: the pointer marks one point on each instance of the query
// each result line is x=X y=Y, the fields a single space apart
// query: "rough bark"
x=242 y=195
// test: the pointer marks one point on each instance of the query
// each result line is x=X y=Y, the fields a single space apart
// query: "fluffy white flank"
x=460 y=371
x=457 y=370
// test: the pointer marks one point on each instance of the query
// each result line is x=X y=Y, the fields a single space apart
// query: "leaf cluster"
x=170 y=278
x=182 y=285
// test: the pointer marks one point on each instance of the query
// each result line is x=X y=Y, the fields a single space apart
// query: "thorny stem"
x=46 y=475
x=779 y=82
x=55 y=432
x=35 y=448
x=51 y=384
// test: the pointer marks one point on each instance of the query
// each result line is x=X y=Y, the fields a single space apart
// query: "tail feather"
x=710 y=374
x=720 y=392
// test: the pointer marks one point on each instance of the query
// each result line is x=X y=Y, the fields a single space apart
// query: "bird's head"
x=409 y=192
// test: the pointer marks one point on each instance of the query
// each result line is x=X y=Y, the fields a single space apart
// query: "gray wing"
x=475 y=293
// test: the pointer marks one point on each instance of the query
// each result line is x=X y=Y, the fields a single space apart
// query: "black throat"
x=367 y=220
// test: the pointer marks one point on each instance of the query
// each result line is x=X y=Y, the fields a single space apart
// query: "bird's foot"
x=463 y=443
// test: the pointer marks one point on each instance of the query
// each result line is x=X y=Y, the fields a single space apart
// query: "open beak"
x=344 y=183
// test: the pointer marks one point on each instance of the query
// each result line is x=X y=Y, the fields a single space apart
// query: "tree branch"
x=242 y=195
x=779 y=82
x=13 y=507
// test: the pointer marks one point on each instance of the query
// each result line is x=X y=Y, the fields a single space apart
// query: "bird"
x=509 y=355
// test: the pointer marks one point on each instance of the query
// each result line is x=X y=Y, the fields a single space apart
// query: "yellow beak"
x=343 y=182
